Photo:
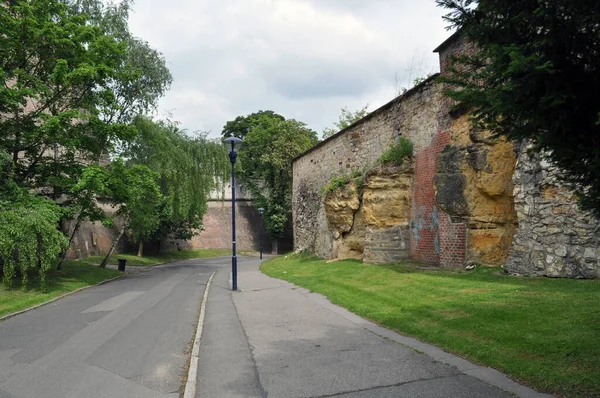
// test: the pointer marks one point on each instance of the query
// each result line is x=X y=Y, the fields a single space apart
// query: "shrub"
x=397 y=152
x=340 y=182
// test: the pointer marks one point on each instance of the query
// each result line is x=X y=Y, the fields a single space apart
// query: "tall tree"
x=345 y=119
x=535 y=76
x=241 y=125
x=266 y=168
x=189 y=168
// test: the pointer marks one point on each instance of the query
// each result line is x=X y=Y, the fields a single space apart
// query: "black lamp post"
x=261 y=211
x=233 y=141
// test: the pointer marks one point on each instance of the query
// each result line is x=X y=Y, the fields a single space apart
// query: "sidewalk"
x=275 y=339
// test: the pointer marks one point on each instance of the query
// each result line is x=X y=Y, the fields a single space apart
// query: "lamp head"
x=233 y=142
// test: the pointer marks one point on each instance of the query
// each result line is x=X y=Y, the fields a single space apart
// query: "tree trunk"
x=275 y=246
x=112 y=248
x=64 y=254
x=140 y=248
x=158 y=248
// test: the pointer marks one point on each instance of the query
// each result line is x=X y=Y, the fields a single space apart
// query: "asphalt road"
x=127 y=338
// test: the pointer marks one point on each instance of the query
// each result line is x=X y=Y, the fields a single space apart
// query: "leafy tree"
x=28 y=234
x=189 y=168
x=536 y=76
x=241 y=125
x=346 y=119
x=266 y=167
x=133 y=190
x=141 y=77
x=55 y=65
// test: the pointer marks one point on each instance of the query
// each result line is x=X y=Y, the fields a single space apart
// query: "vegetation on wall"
x=345 y=119
x=341 y=182
x=397 y=152
x=535 y=76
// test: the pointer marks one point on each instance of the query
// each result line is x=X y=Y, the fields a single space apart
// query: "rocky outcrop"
x=474 y=186
x=346 y=222
x=387 y=209
x=555 y=238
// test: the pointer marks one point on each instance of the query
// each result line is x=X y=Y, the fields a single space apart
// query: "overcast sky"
x=304 y=59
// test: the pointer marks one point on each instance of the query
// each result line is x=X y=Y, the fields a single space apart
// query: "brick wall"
x=435 y=239
x=217 y=229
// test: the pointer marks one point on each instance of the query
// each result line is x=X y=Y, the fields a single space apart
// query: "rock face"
x=474 y=186
x=372 y=223
x=387 y=208
x=342 y=208
x=555 y=238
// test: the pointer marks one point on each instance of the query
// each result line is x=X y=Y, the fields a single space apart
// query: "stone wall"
x=413 y=115
x=92 y=239
x=216 y=233
x=474 y=187
x=554 y=238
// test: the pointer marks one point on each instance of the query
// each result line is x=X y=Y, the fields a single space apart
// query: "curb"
x=58 y=298
x=486 y=374
x=191 y=382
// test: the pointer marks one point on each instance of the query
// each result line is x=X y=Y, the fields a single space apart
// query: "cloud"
x=301 y=58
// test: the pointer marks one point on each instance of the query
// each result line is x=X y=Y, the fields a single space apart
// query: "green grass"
x=167 y=257
x=74 y=275
x=543 y=332
x=77 y=274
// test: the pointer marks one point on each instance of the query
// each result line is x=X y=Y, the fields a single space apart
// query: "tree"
x=141 y=78
x=189 y=169
x=241 y=125
x=266 y=168
x=54 y=66
x=28 y=234
x=535 y=76
x=346 y=119
x=134 y=191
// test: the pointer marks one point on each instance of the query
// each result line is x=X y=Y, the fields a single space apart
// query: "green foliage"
x=535 y=77
x=265 y=161
x=398 y=152
x=241 y=125
x=29 y=236
x=340 y=182
x=345 y=119
x=189 y=169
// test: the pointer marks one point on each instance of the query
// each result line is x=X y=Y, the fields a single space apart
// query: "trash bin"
x=122 y=262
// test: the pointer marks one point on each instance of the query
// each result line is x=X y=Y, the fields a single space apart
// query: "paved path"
x=274 y=339
x=126 y=338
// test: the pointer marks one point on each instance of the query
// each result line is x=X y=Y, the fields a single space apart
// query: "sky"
x=303 y=59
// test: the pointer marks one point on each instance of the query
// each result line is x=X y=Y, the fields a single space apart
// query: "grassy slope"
x=73 y=276
x=542 y=331
x=77 y=274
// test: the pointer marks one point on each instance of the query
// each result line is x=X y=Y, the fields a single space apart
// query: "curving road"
x=127 y=338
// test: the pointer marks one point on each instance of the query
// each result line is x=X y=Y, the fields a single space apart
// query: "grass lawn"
x=543 y=332
x=166 y=257
x=74 y=275
x=77 y=274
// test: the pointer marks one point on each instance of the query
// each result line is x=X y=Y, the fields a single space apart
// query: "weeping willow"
x=29 y=238
x=191 y=168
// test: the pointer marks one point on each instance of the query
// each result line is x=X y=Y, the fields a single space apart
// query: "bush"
x=397 y=152
x=29 y=237
x=338 y=183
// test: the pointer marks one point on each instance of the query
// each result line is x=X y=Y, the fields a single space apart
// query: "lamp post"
x=261 y=210
x=233 y=141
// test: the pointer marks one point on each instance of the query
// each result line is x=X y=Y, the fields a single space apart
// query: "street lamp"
x=234 y=142
x=261 y=210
